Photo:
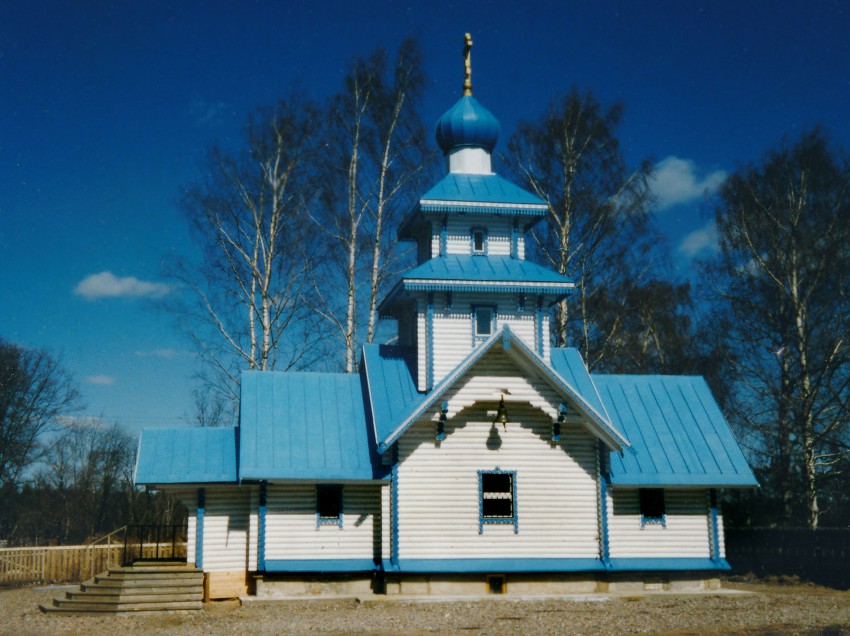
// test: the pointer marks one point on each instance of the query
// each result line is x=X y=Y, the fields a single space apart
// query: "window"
x=652 y=506
x=329 y=506
x=479 y=240
x=483 y=318
x=497 y=498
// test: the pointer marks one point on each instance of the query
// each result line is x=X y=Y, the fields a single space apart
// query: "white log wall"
x=556 y=488
x=687 y=533
x=226 y=529
x=292 y=533
x=459 y=235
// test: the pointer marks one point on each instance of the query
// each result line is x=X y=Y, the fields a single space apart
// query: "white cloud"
x=207 y=114
x=101 y=380
x=699 y=242
x=676 y=181
x=166 y=354
x=108 y=285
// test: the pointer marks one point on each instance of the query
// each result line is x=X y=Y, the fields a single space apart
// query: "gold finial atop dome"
x=467 y=81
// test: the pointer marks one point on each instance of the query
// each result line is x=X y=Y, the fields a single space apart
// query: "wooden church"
x=469 y=457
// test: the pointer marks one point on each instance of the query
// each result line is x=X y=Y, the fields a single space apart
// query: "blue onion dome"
x=467 y=124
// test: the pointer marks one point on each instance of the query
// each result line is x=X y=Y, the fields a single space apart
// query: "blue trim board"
x=261 y=528
x=444 y=235
x=199 y=529
x=604 y=549
x=320 y=565
x=499 y=565
x=554 y=565
x=677 y=564
x=715 y=530
x=429 y=344
x=394 y=510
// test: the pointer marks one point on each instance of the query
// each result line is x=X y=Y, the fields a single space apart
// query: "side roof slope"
x=678 y=435
x=304 y=426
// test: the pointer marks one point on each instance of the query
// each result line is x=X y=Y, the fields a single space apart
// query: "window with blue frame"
x=483 y=319
x=328 y=505
x=652 y=509
x=478 y=237
x=497 y=498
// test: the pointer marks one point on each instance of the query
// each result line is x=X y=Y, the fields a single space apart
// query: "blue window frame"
x=497 y=498
x=328 y=505
x=483 y=322
x=478 y=240
x=652 y=509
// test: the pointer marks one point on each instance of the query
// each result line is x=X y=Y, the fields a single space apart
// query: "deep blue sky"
x=106 y=109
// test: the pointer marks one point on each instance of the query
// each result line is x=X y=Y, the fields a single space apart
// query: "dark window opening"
x=329 y=502
x=483 y=321
x=478 y=241
x=497 y=495
x=652 y=504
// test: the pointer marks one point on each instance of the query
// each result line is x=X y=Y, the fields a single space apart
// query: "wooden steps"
x=142 y=587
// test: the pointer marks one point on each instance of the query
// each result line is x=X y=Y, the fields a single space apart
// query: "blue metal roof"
x=478 y=273
x=569 y=364
x=495 y=195
x=678 y=435
x=390 y=372
x=186 y=455
x=304 y=426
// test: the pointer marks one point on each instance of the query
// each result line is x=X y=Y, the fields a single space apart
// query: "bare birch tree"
x=598 y=230
x=783 y=310
x=375 y=149
x=245 y=308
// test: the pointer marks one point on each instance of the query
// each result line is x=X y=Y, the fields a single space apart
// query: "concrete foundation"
x=271 y=586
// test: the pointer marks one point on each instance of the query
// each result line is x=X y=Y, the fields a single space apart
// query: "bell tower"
x=471 y=275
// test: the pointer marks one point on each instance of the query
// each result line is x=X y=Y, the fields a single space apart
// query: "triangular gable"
x=504 y=338
x=679 y=435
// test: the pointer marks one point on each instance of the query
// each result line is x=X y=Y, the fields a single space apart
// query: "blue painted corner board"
x=304 y=426
x=186 y=455
x=677 y=433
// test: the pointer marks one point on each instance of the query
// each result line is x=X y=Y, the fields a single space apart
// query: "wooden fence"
x=821 y=556
x=73 y=563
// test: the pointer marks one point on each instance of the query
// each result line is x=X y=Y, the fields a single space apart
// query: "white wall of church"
x=292 y=531
x=459 y=235
x=556 y=487
x=226 y=529
x=686 y=533
x=453 y=328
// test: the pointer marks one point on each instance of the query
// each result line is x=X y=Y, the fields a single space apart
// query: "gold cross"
x=467 y=82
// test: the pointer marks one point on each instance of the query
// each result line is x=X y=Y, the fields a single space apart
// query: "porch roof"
x=186 y=455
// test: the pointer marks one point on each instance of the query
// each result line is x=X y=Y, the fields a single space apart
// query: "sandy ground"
x=740 y=608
